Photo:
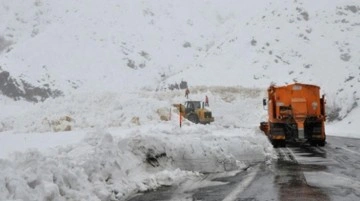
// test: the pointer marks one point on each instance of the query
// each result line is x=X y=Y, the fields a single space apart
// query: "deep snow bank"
x=114 y=164
x=121 y=143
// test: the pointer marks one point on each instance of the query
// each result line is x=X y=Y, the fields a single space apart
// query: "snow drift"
x=103 y=167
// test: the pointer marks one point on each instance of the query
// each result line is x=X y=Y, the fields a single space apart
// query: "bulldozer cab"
x=195 y=112
x=191 y=106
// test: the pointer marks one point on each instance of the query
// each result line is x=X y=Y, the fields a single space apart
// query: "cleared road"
x=300 y=173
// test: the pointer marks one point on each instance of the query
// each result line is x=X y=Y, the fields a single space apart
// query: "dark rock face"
x=11 y=88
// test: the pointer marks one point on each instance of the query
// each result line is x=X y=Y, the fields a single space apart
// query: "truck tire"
x=317 y=143
x=313 y=143
x=321 y=143
x=278 y=143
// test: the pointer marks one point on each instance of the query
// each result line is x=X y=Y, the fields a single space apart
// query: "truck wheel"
x=321 y=143
x=278 y=143
x=317 y=143
x=275 y=144
x=282 y=143
x=193 y=118
x=313 y=143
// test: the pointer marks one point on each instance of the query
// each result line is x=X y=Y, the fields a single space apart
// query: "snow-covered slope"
x=289 y=41
x=112 y=44
x=122 y=46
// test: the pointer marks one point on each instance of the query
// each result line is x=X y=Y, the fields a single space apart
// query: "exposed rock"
x=17 y=90
x=187 y=44
x=305 y=15
x=253 y=42
x=345 y=57
x=64 y=123
x=353 y=9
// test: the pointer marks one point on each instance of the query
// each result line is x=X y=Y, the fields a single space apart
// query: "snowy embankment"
x=113 y=150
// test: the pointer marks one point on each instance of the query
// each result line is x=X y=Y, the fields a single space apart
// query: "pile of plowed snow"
x=117 y=144
x=114 y=164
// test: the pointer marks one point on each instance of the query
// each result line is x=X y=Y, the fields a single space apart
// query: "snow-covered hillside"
x=109 y=44
x=106 y=128
x=127 y=45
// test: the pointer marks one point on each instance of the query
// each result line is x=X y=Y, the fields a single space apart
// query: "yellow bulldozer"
x=195 y=112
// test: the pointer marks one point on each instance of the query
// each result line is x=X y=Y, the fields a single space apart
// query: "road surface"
x=300 y=173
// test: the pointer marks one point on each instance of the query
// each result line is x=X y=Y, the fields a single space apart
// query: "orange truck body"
x=296 y=113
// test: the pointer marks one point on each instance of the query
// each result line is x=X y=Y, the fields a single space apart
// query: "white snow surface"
x=112 y=165
x=104 y=156
x=114 y=61
x=334 y=183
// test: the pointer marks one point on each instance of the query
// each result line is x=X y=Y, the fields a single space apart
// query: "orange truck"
x=296 y=113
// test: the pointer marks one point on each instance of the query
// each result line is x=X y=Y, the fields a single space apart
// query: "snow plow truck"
x=296 y=113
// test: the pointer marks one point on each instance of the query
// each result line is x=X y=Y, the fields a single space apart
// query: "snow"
x=346 y=127
x=106 y=153
x=114 y=62
x=334 y=183
x=113 y=163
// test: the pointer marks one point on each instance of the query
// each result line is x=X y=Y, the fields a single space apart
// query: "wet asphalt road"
x=300 y=173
